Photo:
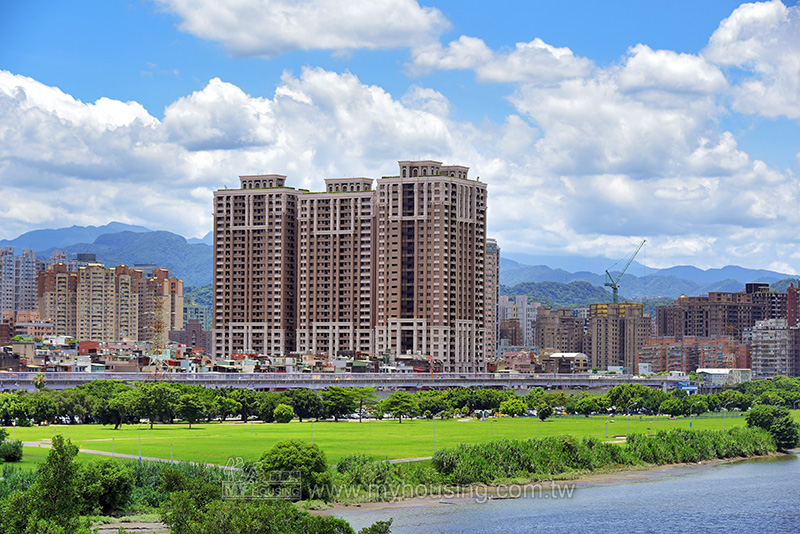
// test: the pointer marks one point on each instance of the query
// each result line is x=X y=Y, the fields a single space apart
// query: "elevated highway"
x=11 y=381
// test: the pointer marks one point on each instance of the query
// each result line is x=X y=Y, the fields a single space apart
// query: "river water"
x=754 y=496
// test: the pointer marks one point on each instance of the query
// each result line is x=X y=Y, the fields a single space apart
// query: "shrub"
x=306 y=459
x=11 y=451
x=105 y=485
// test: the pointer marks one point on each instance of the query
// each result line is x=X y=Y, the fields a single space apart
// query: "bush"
x=503 y=459
x=283 y=413
x=306 y=459
x=11 y=451
x=104 y=485
x=778 y=422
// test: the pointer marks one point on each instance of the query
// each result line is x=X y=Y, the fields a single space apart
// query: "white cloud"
x=761 y=41
x=275 y=27
x=535 y=61
x=667 y=71
x=589 y=166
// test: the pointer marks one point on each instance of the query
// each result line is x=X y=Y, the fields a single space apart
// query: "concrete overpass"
x=11 y=381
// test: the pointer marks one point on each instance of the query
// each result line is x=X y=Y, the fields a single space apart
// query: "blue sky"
x=596 y=124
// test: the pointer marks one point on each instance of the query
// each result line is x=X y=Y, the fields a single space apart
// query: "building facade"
x=335 y=312
x=492 y=297
x=396 y=270
x=255 y=267
x=430 y=255
x=58 y=299
x=618 y=332
x=774 y=349
x=17 y=280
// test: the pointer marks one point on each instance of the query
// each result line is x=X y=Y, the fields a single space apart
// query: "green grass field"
x=217 y=442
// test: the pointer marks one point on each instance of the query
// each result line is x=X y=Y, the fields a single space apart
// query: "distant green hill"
x=573 y=295
x=202 y=295
x=191 y=262
x=556 y=294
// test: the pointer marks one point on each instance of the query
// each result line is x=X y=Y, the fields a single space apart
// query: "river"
x=750 y=497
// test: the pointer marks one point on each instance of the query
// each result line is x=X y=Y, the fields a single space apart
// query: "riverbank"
x=553 y=487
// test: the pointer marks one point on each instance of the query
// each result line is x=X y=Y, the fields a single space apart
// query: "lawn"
x=218 y=442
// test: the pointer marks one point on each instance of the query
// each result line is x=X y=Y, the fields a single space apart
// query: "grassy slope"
x=216 y=443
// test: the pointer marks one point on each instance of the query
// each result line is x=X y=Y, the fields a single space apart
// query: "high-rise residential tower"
x=17 y=280
x=430 y=260
x=58 y=299
x=492 y=295
x=335 y=242
x=255 y=267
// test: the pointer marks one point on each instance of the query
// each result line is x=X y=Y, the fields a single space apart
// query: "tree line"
x=110 y=402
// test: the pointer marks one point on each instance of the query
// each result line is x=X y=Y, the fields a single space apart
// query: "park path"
x=46 y=445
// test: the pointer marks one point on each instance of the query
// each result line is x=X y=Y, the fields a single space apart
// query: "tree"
x=39 y=381
x=52 y=504
x=306 y=403
x=305 y=459
x=158 y=400
x=587 y=405
x=673 y=406
x=266 y=402
x=226 y=406
x=513 y=407
x=364 y=397
x=283 y=413
x=338 y=401
x=105 y=486
x=125 y=405
x=544 y=411
x=191 y=408
x=400 y=404
x=777 y=421
x=247 y=400
x=432 y=401
x=533 y=397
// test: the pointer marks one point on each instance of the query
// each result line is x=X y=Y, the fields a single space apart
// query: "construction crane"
x=614 y=283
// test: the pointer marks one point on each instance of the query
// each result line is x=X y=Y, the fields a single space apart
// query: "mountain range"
x=192 y=259
x=657 y=283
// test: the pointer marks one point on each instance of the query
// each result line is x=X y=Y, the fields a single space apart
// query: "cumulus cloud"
x=275 y=27
x=533 y=61
x=761 y=41
x=588 y=165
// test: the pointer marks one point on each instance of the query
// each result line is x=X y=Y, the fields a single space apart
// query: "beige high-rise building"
x=58 y=299
x=96 y=313
x=618 y=332
x=255 y=267
x=430 y=254
x=160 y=301
x=127 y=283
x=335 y=298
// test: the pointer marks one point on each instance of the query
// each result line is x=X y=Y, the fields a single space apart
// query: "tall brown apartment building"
x=618 y=331
x=430 y=265
x=255 y=267
x=335 y=299
x=559 y=331
x=395 y=270
x=492 y=297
